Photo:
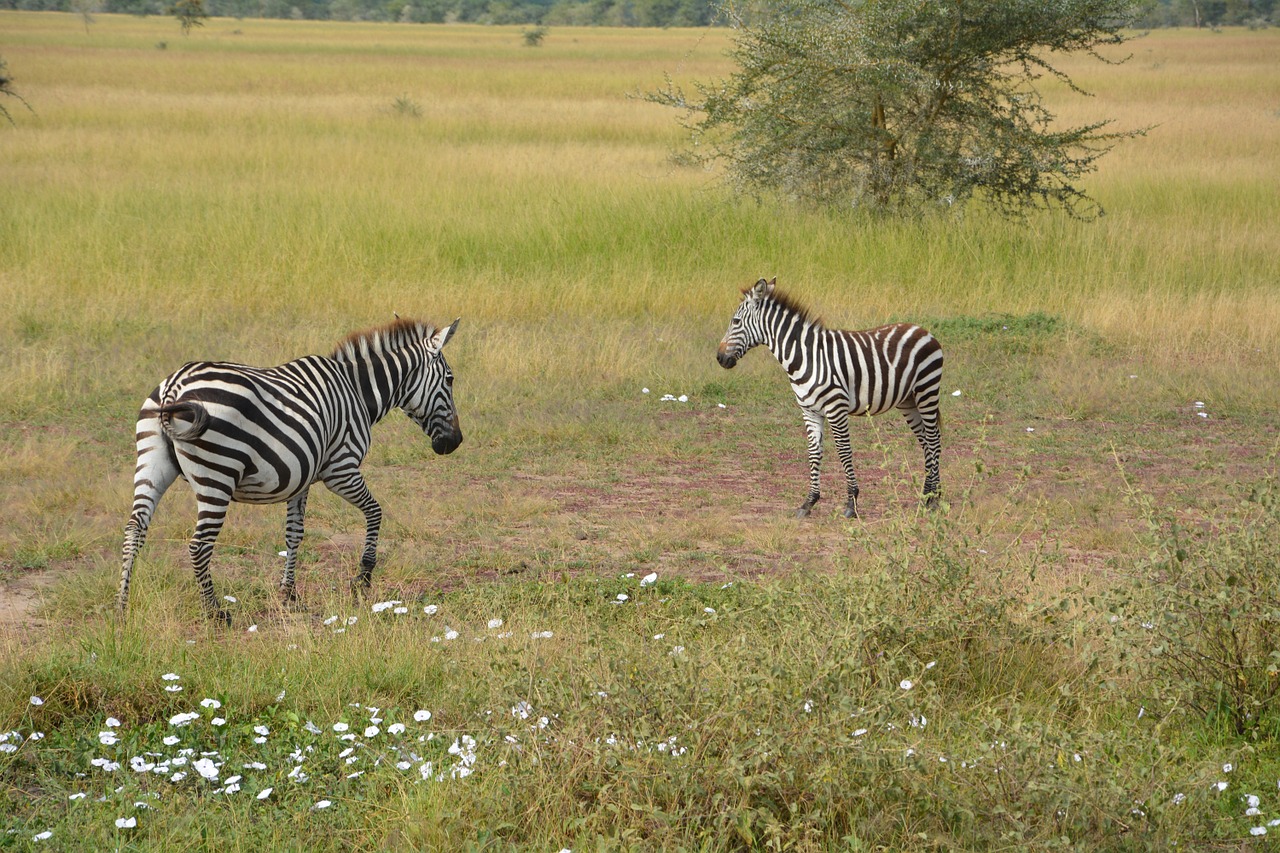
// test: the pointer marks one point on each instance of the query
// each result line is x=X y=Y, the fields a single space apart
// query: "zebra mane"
x=788 y=303
x=393 y=336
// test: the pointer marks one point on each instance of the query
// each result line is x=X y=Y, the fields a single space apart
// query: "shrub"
x=1200 y=627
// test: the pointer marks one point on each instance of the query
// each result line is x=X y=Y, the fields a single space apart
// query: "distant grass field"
x=986 y=677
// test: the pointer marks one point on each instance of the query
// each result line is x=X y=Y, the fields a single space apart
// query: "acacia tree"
x=190 y=14
x=903 y=104
x=6 y=89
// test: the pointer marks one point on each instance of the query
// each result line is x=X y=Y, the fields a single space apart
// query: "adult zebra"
x=265 y=435
x=835 y=374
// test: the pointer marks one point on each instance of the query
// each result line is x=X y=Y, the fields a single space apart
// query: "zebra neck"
x=380 y=384
x=788 y=335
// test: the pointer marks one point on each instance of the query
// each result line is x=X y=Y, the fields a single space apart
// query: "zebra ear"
x=763 y=288
x=441 y=337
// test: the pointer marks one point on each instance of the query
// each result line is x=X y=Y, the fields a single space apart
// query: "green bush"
x=1200 y=627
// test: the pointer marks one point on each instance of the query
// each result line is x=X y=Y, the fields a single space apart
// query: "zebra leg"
x=840 y=432
x=351 y=488
x=212 y=500
x=813 y=426
x=157 y=469
x=293 y=527
x=923 y=420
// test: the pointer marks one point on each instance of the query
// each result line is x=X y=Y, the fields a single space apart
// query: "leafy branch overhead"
x=906 y=104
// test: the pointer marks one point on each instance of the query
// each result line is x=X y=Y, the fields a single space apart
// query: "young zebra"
x=265 y=435
x=835 y=374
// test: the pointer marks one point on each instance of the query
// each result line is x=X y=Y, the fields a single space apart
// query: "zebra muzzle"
x=726 y=361
x=446 y=442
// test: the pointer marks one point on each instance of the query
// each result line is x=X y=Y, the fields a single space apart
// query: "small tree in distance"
x=6 y=89
x=905 y=104
x=190 y=14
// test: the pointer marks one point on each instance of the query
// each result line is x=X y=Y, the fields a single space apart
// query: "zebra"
x=266 y=435
x=835 y=374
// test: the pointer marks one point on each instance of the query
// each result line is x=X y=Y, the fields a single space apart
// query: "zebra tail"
x=194 y=420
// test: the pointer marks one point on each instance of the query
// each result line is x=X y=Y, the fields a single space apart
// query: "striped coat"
x=266 y=435
x=836 y=374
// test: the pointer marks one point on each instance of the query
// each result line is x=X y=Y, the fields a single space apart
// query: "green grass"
x=253 y=192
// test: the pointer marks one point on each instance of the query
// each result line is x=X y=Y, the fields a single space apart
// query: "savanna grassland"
x=1078 y=652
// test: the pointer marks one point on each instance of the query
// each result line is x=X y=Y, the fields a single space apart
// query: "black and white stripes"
x=265 y=435
x=835 y=374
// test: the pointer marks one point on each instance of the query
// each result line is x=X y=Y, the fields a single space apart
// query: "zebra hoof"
x=850 y=511
x=223 y=617
x=803 y=512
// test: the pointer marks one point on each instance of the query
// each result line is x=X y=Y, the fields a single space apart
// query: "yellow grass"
x=253 y=192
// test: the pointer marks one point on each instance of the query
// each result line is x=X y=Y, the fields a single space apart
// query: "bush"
x=1200 y=628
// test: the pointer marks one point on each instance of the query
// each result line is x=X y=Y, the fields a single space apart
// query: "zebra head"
x=430 y=405
x=746 y=329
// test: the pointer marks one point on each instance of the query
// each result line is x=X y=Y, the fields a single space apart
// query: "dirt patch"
x=22 y=597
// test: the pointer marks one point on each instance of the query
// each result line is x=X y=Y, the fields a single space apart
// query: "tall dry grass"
x=253 y=182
